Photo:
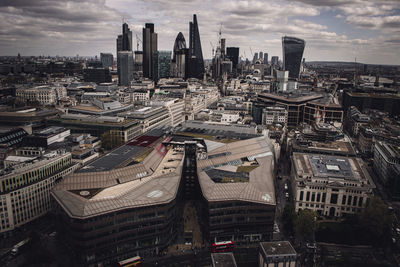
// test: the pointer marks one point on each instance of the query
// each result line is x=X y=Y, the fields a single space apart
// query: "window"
x=344 y=200
x=323 y=197
x=355 y=201
x=349 y=200
x=318 y=197
x=334 y=198
x=360 y=201
x=308 y=196
x=313 y=196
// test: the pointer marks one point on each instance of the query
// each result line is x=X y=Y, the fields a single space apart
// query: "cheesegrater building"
x=129 y=202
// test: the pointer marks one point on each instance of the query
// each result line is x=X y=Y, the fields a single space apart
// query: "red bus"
x=135 y=261
x=224 y=246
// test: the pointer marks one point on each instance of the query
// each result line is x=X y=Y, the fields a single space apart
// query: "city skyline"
x=335 y=30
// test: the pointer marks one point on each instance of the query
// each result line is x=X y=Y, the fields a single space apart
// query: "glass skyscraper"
x=149 y=47
x=162 y=64
x=196 y=63
x=293 y=49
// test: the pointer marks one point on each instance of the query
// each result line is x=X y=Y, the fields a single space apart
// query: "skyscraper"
x=149 y=47
x=196 y=63
x=261 y=56
x=274 y=60
x=179 y=44
x=125 y=67
x=178 y=59
x=293 y=49
x=124 y=56
x=161 y=64
x=106 y=60
x=233 y=54
x=265 y=58
x=223 y=41
x=124 y=40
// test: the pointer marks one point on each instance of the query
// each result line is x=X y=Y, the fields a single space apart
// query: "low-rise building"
x=386 y=165
x=274 y=115
x=45 y=95
x=330 y=185
x=119 y=127
x=279 y=253
x=25 y=188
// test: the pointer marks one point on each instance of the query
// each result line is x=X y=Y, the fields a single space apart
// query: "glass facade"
x=293 y=49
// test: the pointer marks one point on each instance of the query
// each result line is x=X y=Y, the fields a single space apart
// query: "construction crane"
x=212 y=49
x=137 y=42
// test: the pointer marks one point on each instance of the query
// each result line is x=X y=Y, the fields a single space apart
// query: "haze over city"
x=335 y=30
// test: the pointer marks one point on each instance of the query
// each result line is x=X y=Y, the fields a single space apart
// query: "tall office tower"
x=149 y=47
x=126 y=38
x=178 y=58
x=233 y=54
x=106 y=60
x=261 y=56
x=119 y=44
x=138 y=65
x=223 y=41
x=196 y=63
x=125 y=67
x=161 y=65
x=179 y=44
x=274 y=60
x=293 y=49
x=265 y=58
x=255 y=57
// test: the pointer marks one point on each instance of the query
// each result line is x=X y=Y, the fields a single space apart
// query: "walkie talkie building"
x=293 y=49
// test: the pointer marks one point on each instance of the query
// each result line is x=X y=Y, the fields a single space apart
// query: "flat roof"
x=277 y=248
x=223 y=260
x=327 y=166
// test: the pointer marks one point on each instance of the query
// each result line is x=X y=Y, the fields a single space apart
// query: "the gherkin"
x=180 y=43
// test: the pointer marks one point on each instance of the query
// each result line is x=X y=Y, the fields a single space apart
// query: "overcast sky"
x=333 y=29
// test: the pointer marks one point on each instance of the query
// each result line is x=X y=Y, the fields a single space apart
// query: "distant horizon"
x=333 y=29
x=280 y=58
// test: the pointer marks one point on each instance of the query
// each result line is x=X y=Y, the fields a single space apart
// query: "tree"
x=110 y=141
x=376 y=221
x=305 y=223
x=288 y=218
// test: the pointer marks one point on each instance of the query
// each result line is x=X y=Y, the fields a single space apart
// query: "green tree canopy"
x=304 y=223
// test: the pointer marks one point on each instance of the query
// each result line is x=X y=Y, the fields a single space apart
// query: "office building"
x=261 y=56
x=275 y=115
x=275 y=61
x=279 y=253
x=25 y=187
x=46 y=137
x=293 y=49
x=107 y=60
x=161 y=65
x=149 y=47
x=387 y=166
x=196 y=63
x=136 y=212
x=179 y=57
x=138 y=62
x=44 y=94
x=330 y=185
x=97 y=75
x=120 y=128
x=125 y=67
x=233 y=54
x=265 y=58
x=223 y=260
